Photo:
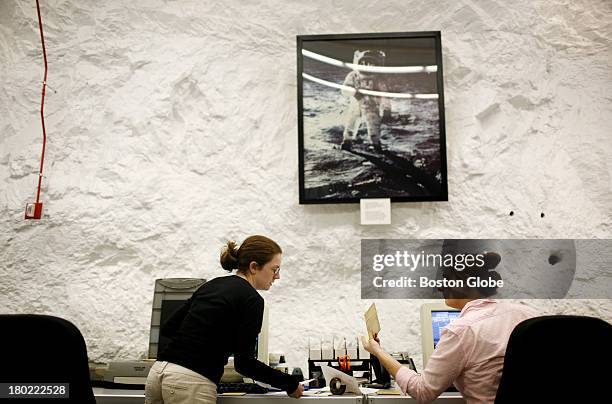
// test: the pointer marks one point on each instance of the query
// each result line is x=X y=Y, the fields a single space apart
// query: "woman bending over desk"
x=223 y=317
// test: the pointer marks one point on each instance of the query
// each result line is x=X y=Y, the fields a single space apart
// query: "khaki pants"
x=168 y=383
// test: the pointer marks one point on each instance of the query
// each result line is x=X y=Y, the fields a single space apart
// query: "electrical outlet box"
x=33 y=210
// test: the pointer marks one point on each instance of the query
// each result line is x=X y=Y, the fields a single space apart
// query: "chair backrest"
x=557 y=359
x=44 y=349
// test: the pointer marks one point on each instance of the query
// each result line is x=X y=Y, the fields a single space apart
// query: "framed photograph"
x=371 y=117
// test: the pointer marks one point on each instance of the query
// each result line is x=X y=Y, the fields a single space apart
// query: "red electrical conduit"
x=42 y=103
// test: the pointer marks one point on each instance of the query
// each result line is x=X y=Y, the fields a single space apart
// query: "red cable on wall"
x=42 y=102
x=34 y=211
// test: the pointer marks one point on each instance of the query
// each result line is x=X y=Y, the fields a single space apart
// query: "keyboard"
x=249 y=388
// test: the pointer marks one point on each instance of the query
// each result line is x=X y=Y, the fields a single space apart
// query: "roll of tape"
x=336 y=387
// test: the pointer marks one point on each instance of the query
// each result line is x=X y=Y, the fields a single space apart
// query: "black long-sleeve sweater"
x=223 y=317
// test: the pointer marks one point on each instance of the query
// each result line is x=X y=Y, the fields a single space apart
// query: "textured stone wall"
x=173 y=127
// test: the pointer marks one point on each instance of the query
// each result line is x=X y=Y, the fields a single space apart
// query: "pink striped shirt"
x=470 y=353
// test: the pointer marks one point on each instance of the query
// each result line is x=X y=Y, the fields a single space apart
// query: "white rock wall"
x=174 y=128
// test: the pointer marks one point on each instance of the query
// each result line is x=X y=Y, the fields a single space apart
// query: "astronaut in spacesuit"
x=363 y=107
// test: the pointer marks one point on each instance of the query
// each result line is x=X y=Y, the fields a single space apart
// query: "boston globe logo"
x=467 y=268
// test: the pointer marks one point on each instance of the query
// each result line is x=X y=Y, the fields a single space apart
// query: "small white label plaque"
x=375 y=211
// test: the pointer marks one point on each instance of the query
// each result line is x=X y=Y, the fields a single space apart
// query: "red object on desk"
x=345 y=363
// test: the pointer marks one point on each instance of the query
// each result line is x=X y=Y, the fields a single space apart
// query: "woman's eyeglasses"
x=275 y=270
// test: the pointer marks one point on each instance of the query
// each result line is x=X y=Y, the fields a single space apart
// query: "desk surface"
x=118 y=396
x=445 y=398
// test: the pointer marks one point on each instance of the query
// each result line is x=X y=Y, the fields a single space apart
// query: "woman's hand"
x=371 y=345
x=298 y=392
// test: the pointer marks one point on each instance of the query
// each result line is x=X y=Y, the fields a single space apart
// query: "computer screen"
x=434 y=317
x=439 y=320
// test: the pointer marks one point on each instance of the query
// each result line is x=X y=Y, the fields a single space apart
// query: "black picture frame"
x=371 y=117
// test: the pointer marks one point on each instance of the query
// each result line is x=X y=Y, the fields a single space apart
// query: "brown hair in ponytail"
x=260 y=249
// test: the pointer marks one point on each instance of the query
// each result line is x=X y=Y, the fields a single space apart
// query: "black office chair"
x=557 y=359
x=44 y=349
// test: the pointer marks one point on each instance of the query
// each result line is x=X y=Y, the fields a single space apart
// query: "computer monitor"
x=434 y=317
x=262 y=339
x=171 y=294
